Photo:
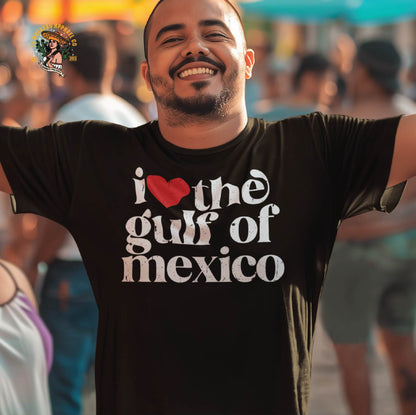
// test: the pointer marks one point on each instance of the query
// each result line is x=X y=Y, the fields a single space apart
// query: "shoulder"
x=104 y=138
x=301 y=122
x=7 y=286
x=9 y=283
x=88 y=129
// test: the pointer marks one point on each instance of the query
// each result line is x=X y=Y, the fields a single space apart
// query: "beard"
x=199 y=108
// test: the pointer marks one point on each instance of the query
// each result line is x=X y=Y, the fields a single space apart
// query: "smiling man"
x=206 y=235
x=196 y=68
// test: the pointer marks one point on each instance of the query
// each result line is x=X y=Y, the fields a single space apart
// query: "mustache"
x=186 y=61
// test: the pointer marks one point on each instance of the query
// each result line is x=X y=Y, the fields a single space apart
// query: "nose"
x=195 y=46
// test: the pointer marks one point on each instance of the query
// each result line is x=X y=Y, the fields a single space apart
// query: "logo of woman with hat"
x=53 y=52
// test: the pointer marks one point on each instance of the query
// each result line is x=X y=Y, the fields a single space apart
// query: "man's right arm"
x=4 y=183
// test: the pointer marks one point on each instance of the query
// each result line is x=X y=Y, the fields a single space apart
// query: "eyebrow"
x=213 y=22
x=181 y=26
x=169 y=28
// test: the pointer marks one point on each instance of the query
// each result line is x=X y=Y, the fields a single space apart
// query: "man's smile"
x=191 y=67
x=196 y=71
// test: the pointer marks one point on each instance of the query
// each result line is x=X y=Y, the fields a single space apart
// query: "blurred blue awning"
x=352 y=11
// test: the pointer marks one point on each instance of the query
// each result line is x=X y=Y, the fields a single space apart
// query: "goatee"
x=203 y=107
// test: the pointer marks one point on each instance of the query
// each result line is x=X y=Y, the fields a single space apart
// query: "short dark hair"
x=149 y=21
x=313 y=62
x=383 y=62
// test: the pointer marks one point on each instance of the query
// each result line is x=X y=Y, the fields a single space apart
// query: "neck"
x=194 y=133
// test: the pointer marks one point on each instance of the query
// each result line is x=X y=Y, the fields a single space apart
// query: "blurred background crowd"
x=350 y=57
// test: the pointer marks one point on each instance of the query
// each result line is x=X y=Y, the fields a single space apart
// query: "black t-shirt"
x=207 y=265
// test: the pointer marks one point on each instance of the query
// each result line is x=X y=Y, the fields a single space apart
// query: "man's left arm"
x=404 y=157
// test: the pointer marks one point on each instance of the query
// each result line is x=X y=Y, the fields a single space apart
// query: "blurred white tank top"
x=25 y=358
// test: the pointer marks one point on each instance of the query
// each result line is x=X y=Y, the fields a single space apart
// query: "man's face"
x=197 y=60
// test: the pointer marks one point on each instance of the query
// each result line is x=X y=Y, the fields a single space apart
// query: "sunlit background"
x=290 y=27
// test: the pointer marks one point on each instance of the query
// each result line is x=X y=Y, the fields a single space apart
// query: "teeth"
x=196 y=71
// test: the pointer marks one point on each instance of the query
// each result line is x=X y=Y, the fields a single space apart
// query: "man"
x=205 y=235
x=372 y=275
x=67 y=302
x=311 y=86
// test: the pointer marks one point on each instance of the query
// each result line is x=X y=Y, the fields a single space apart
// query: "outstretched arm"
x=404 y=157
x=4 y=183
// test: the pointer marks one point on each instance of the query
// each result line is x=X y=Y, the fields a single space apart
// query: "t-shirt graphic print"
x=210 y=200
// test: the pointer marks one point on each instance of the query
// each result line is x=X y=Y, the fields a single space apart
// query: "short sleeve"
x=358 y=155
x=41 y=167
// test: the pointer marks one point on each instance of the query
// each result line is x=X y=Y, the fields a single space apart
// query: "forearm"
x=4 y=183
x=376 y=224
x=371 y=230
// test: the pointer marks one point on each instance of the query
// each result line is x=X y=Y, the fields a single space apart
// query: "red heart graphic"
x=168 y=193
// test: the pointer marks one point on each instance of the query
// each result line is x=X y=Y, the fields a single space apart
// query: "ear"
x=144 y=70
x=249 y=59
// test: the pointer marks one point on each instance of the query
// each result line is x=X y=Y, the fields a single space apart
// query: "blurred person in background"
x=67 y=303
x=23 y=96
x=342 y=56
x=7 y=89
x=411 y=81
x=313 y=88
x=263 y=85
x=372 y=273
x=25 y=347
x=127 y=81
